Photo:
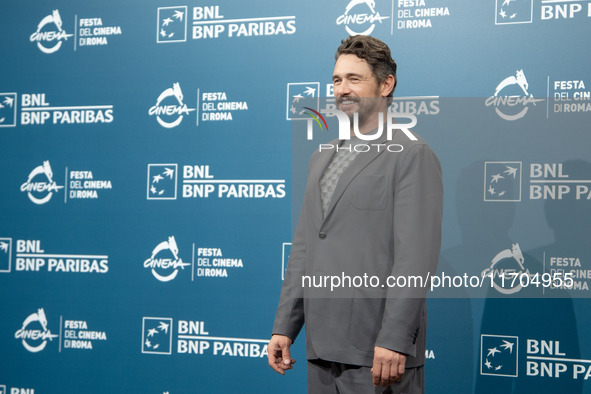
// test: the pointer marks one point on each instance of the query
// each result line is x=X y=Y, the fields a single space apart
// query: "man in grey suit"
x=366 y=213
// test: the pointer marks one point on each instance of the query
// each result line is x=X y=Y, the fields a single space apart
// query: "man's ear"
x=387 y=85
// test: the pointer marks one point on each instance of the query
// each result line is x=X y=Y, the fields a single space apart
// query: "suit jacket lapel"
x=358 y=164
x=323 y=162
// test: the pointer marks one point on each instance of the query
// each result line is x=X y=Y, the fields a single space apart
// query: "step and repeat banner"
x=147 y=164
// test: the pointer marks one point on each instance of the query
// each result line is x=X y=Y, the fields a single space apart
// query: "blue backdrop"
x=147 y=159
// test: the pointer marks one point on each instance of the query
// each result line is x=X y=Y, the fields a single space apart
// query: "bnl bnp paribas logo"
x=164 y=262
x=360 y=17
x=40 y=185
x=502 y=181
x=499 y=355
x=511 y=99
x=172 y=24
x=548 y=359
x=299 y=93
x=508 y=12
x=162 y=181
x=210 y=22
x=50 y=33
x=5 y=254
x=157 y=335
x=191 y=337
x=513 y=11
x=8 y=109
x=545 y=181
x=198 y=181
x=35 y=333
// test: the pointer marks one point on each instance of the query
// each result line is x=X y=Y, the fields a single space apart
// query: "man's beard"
x=365 y=107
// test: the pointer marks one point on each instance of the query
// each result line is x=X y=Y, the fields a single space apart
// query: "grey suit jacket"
x=384 y=219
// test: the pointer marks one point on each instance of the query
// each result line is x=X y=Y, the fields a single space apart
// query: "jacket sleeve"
x=289 y=318
x=418 y=210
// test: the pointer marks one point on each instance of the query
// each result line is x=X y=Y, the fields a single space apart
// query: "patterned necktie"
x=340 y=161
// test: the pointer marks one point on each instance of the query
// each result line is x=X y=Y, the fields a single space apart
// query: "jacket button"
x=322 y=235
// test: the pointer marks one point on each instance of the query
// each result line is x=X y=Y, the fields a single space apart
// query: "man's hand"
x=388 y=366
x=278 y=352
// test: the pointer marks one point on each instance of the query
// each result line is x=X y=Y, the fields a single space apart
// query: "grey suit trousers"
x=325 y=377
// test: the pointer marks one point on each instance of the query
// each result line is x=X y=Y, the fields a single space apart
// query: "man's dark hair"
x=375 y=52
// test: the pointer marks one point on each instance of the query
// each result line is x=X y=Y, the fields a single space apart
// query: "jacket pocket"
x=369 y=192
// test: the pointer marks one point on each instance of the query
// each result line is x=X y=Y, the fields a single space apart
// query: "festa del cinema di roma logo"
x=169 y=108
x=49 y=35
x=40 y=185
x=165 y=262
x=506 y=262
x=515 y=104
x=357 y=19
x=34 y=333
